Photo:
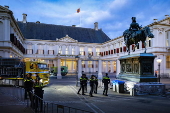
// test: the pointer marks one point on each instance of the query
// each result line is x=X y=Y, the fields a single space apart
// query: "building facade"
x=61 y=45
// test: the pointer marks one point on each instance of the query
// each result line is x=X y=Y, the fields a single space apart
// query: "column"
x=100 y=69
x=59 y=68
x=111 y=66
x=86 y=66
x=79 y=68
x=6 y=29
x=117 y=67
x=94 y=66
x=106 y=67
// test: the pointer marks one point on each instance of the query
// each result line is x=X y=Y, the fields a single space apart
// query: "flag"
x=78 y=10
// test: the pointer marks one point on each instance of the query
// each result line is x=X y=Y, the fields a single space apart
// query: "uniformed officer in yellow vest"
x=106 y=81
x=28 y=85
x=92 y=82
x=38 y=91
x=82 y=84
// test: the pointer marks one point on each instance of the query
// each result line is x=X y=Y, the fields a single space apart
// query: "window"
x=29 y=49
x=89 y=64
x=73 y=51
x=82 y=51
x=40 y=50
x=50 y=63
x=90 y=51
x=60 y=50
x=51 y=52
x=66 y=50
x=167 y=61
x=97 y=51
x=168 y=38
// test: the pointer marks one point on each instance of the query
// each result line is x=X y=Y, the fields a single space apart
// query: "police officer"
x=106 y=81
x=95 y=84
x=28 y=86
x=85 y=87
x=92 y=85
x=38 y=91
x=82 y=84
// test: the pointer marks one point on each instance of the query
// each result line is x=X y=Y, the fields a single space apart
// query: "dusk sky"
x=113 y=16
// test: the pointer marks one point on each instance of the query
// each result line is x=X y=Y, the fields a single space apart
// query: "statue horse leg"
x=145 y=46
x=128 y=49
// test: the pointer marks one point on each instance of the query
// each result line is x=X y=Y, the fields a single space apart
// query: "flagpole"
x=80 y=19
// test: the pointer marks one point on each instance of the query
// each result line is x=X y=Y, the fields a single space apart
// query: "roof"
x=42 y=31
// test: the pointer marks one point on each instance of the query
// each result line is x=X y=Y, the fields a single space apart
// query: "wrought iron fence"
x=36 y=103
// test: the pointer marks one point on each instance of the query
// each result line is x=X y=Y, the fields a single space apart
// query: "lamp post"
x=77 y=57
x=159 y=63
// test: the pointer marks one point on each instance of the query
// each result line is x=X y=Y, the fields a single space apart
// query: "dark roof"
x=42 y=31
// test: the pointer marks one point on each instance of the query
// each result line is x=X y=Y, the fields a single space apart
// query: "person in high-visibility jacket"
x=82 y=84
x=92 y=81
x=38 y=91
x=106 y=81
x=95 y=84
x=28 y=85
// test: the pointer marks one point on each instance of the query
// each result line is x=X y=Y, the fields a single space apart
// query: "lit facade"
x=63 y=50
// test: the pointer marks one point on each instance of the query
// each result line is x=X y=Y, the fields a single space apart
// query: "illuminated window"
x=73 y=51
x=97 y=51
x=167 y=61
x=29 y=49
x=60 y=50
x=90 y=51
x=81 y=50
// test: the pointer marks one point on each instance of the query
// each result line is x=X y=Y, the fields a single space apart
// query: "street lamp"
x=77 y=57
x=159 y=63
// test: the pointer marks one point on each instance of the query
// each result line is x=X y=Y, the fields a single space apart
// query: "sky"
x=113 y=16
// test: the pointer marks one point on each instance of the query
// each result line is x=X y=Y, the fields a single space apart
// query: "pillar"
x=117 y=67
x=59 y=68
x=100 y=69
x=79 y=68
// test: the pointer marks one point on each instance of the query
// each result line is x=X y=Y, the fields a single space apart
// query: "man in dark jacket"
x=95 y=84
x=106 y=81
x=91 y=85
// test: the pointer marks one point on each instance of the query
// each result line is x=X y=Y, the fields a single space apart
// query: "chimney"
x=38 y=22
x=73 y=25
x=155 y=20
x=24 y=18
x=96 y=25
x=6 y=6
x=166 y=16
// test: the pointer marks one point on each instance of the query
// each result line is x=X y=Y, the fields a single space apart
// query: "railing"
x=36 y=103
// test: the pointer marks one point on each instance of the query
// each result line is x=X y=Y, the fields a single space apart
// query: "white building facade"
x=63 y=50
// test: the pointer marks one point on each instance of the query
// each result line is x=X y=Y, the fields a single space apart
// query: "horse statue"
x=135 y=34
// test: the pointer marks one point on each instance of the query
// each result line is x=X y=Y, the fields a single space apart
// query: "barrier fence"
x=34 y=102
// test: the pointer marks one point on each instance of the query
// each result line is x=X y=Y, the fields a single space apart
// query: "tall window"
x=167 y=61
x=90 y=51
x=168 y=38
x=89 y=64
x=60 y=50
x=66 y=50
x=73 y=50
x=51 y=50
x=81 y=50
x=29 y=49
x=97 y=51
x=40 y=49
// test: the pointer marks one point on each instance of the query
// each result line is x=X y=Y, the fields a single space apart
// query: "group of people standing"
x=36 y=96
x=93 y=82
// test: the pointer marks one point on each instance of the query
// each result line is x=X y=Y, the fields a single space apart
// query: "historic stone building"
x=61 y=45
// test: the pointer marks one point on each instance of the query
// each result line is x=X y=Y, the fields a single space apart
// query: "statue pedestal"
x=137 y=68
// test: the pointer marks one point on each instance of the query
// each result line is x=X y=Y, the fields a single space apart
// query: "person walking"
x=106 y=81
x=95 y=84
x=38 y=91
x=92 y=81
x=28 y=86
x=82 y=84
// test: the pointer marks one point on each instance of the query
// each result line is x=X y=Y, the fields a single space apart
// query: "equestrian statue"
x=135 y=34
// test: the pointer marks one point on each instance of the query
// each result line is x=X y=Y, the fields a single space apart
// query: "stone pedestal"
x=137 y=68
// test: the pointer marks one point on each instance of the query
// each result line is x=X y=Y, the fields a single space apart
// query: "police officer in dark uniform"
x=85 y=86
x=38 y=91
x=82 y=84
x=95 y=84
x=91 y=85
x=106 y=81
x=28 y=86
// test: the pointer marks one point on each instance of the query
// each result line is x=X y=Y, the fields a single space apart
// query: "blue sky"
x=113 y=16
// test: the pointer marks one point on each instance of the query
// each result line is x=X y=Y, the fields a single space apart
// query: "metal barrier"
x=37 y=104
